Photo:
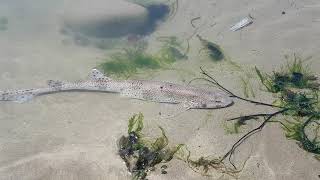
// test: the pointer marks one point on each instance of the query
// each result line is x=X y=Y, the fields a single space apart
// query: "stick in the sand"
x=253 y=131
x=247 y=135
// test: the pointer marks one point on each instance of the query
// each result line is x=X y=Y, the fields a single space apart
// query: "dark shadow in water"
x=156 y=13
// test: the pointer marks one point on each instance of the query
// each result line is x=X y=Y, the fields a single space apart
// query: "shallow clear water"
x=73 y=135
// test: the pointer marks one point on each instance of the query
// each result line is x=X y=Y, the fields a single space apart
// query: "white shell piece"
x=241 y=24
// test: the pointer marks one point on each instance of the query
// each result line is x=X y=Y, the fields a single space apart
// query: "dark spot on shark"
x=203 y=105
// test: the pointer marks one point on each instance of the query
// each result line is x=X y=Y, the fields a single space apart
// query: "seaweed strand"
x=194 y=19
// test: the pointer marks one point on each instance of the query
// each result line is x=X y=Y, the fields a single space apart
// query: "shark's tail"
x=17 y=95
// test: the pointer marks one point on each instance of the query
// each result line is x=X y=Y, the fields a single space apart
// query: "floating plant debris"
x=131 y=60
x=141 y=155
x=203 y=165
x=214 y=50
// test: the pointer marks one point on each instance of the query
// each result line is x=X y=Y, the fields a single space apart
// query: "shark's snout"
x=223 y=101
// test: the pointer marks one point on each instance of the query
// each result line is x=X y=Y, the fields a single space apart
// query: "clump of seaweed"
x=213 y=50
x=298 y=103
x=130 y=60
x=296 y=130
x=142 y=155
x=299 y=94
x=294 y=75
x=302 y=104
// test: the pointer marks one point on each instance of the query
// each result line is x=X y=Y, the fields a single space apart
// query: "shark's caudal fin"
x=17 y=95
x=95 y=75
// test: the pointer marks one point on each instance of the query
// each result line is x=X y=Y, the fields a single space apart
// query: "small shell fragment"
x=241 y=24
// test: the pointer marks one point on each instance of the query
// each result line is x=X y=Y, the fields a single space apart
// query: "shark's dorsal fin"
x=95 y=75
x=55 y=84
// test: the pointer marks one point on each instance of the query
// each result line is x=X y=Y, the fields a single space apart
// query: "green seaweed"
x=296 y=130
x=298 y=103
x=233 y=128
x=136 y=124
x=141 y=154
x=171 y=49
x=131 y=60
x=298 y=93
x=294 y=75
x=246 y=87
x=214 y=51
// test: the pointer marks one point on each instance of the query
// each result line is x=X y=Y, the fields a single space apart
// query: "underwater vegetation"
x=140 y=154
x=3 y=23
x=294 y=100
x=204 y=165
x=171 y=49
x=296 y=130
x=213 y=50
x=297 y=92
x=233 y=128
x=294 y=75
x=131 y=60
x=246 y=86
x=299 y=103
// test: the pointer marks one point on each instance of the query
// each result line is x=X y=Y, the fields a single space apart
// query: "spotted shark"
x=157 y=91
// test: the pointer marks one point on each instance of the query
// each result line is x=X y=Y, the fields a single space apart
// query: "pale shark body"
x=162 y=92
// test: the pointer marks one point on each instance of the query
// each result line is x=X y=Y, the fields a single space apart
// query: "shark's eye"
x=217 y=101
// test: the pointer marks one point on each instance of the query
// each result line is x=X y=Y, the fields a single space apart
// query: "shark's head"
x=201 y=103
x=220 y=102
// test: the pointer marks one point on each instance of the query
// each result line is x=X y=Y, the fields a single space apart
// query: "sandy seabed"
x=74 y=135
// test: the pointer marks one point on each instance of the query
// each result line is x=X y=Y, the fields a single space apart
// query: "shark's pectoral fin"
x=132 y=94
x=24 y=98
x=174 y=110
x=95 y=75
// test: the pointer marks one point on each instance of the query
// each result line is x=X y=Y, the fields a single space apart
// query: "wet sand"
x=74 y=135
